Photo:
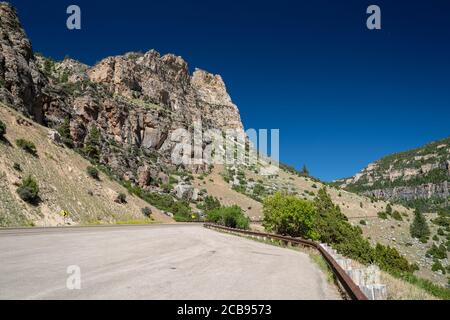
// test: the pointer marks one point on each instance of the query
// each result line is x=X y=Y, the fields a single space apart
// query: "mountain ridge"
x=418 y=177
x=136 y=101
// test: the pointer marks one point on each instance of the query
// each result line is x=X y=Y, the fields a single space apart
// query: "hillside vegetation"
x=418 y=178
x=67 y=193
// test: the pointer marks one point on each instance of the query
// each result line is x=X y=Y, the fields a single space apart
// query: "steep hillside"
x=124 y=113
x=418 y=178
x=64 y=184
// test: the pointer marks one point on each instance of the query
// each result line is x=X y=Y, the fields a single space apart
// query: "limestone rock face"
x=420 y=175
x=136 y=101
x=21 y=82
x=184 y=191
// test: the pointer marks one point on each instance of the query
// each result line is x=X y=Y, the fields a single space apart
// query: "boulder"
x=55 y=137
x=184 y=191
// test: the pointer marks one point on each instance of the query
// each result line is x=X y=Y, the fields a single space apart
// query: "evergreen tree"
x=419 y=227
x=64 y=131
x=92 y=144
x=2 y=129
x=305 y=171
x=389 y=209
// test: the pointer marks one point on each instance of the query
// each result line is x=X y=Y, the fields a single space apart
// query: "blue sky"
x=341 y=95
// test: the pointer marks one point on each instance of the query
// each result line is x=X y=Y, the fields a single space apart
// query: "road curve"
x=153 y=262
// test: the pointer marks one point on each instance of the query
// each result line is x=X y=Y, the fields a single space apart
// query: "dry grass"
x=63 y=181
x=402 y=290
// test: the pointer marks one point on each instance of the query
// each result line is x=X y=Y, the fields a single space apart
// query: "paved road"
x=153 y=262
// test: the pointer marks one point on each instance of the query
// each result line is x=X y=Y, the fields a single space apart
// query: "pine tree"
x=64 y=131
x=389 y=209
x=2 y=129
x=92 y=144
x=305 y=171
x=419 y=227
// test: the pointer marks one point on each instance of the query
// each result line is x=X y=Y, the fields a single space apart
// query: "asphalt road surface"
x=152 y=262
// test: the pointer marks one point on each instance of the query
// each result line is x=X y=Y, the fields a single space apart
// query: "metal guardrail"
x=351 y=289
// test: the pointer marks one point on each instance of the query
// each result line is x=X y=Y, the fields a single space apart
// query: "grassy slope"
x=63 y=181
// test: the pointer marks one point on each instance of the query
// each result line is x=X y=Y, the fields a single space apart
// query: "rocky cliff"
x=419 y=177
x=125 y=107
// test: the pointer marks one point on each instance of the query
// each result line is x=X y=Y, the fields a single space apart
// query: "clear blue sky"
x=341 y=95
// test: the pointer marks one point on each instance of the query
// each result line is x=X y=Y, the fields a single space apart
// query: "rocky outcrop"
x=424 y=191
x=21 y=82
x=421 y=174
x=135 y=101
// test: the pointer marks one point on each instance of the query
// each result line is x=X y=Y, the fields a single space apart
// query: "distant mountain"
x=419 y=178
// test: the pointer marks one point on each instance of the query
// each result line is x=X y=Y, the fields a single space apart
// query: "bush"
x=437 y=252
x=2 y=129
x=419 y=227
x=389 y=259
x=363 y=222
x=92 y=144
x=17 y=166
x=289 y=215
x=325 y=222
x=27 y=146
x=389 y=209
x=64 y=131
x=397 y=216
x=437 y=265
x=210 y=203
x=92 y=172
x=232 y=217
x=121 y=198
x=147 y=211
x=382 y=215
x=28 y=191
x=443 y=221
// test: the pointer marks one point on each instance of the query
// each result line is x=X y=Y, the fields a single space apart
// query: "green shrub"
x=382 y=215
x=232 y=217
x=64 y=131
x=389 y=209
x=2 y=129
x=210 y=203
x=326 y=222
x=92 y=144
x=389 y=259
x=437 y=252
x=27 y=146
x=92 y=172
x=419 y=227
x=28 y=191
x=397 y=216
x=363 y=222
x=17 y=167
x=121 y=198
x=147 y=211
x=437 y=265
x=289 y=215
x=443 y=221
